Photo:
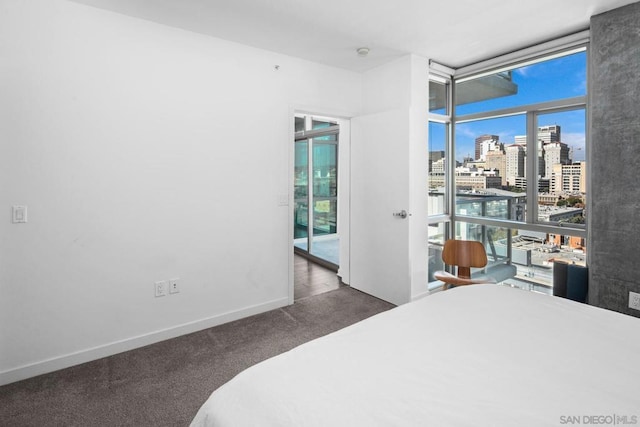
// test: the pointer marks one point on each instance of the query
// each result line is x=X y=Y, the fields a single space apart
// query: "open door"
x=380 y=192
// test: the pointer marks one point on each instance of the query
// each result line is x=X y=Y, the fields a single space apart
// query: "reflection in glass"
x=300 y=220
x=325 y=204
x=325 y=170
x=324 y=217
x=301 y=179
x=325 y=213
x=437 y=237
x=320 y=124
x=437 y=163
x=438 y=97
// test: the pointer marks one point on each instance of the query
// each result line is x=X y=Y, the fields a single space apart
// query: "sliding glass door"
x=316 y=189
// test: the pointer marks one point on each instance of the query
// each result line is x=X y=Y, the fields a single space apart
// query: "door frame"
x=344 y=187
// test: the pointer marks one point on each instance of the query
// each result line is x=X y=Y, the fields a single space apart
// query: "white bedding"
x=484 y=355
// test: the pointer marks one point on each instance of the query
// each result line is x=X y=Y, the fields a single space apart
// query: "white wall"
x=143 y=153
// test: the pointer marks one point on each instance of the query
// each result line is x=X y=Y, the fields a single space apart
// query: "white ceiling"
x=455 y=33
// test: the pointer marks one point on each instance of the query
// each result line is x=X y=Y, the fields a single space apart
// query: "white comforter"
x=481 y=355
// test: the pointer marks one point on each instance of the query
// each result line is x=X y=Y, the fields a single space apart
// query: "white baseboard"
x=90 y=354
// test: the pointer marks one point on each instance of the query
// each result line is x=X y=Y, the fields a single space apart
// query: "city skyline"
x=563 y=77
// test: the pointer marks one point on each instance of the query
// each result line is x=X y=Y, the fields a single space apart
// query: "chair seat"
x=450 y=279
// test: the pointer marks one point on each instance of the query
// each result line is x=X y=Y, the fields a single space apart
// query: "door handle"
x=402 y=214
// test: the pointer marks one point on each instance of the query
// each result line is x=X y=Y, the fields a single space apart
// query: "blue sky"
x=559 y=78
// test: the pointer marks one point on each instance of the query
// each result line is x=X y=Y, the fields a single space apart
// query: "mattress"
x=470 y=356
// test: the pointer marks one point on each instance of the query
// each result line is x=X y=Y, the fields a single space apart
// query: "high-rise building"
x=476 y=182
x=434 y=156
x=555 y=187
x=551 y=151
x=555 y=153
x=522 y=140
x=569 y=178
x=549 y=133
x=515 y=154
x=480 y=140
x=438 y=166
x=546 y=134
x=574 y=177
x=497 y=160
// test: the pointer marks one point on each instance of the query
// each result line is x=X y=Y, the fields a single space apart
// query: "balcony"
x=517 y=257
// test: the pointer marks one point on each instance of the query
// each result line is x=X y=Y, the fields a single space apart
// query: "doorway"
x=315 y=215
x=316 y=190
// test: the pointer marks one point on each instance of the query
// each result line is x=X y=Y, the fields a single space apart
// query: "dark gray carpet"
x=164 y=384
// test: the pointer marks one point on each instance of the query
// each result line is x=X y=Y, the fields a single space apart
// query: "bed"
x=470 y=356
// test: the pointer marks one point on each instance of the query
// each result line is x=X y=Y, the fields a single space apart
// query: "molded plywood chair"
x=463 y=254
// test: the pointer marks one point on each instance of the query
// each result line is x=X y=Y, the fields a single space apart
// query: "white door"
x=380 y=188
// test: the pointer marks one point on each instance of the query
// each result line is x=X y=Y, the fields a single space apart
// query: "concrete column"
x=614 y=196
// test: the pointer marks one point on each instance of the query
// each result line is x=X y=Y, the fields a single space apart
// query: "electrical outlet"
x=161 y=288
x=174 y=286
x=634 y=300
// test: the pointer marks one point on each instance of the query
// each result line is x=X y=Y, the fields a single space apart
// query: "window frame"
x=532 y=111
x=568 y=45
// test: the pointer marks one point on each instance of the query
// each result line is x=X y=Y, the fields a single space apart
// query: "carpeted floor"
x=164 y=384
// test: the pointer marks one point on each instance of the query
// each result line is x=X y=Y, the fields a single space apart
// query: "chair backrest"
x=464 y=254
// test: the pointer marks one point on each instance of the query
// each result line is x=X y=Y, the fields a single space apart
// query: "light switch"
x=19 y=214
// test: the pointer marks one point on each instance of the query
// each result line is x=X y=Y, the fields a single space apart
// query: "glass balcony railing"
x=516 y=257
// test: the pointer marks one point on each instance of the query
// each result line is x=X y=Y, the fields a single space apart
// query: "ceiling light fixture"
x=363 y=51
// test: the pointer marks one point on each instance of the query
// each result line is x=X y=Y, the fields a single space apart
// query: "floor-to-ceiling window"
x=517 y=165
x=316 y=188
